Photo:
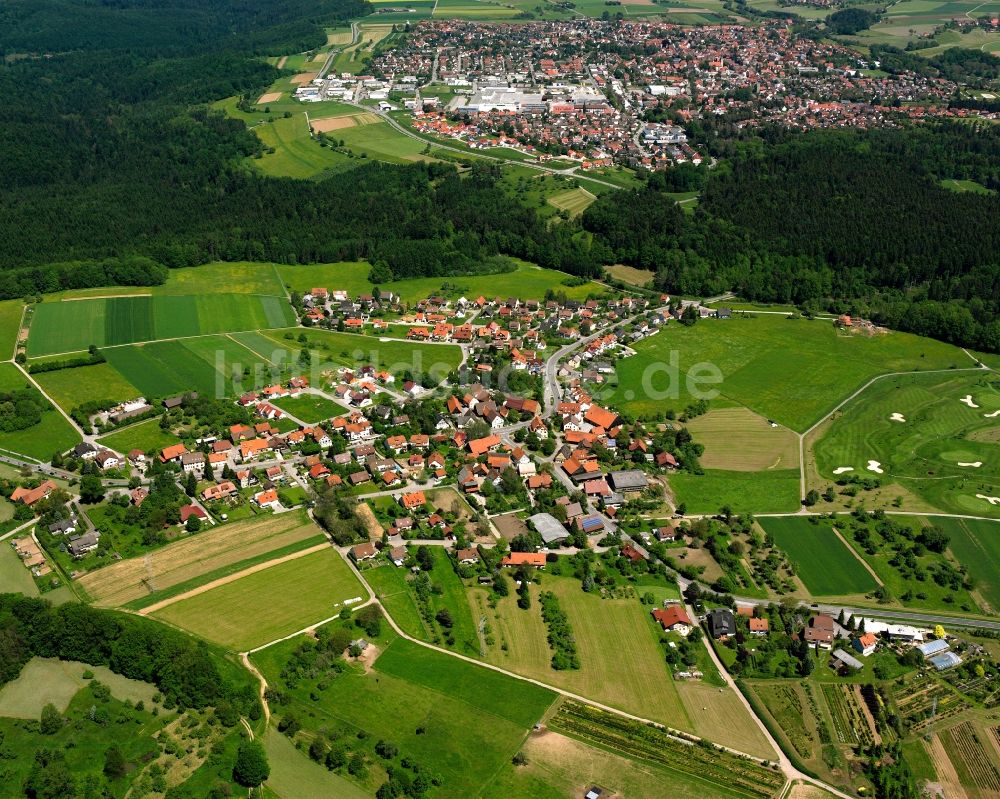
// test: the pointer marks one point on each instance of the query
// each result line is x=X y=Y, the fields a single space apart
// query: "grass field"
x=70 y=387
x=822 y=561
x=572 y=201
x=631 y=275
x=916 y=429
x=619 y=652
x=295 y=776
x=525 y=282
x=14 y=577
x=294 y=153
x=794 y=371
x=459 y=721
x=389 y=585
x=146 y=436
x=72 y=326
x=310 y=408
x=383 y=143
x=976 y=545
x=11 y=312
x=45 y=680
x=268 y=604
x=52 y=434
x=746 y=492
x=195 y=560
x=737 y=439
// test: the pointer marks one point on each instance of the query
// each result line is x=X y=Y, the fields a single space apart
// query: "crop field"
x=974 y=759
x=268 y=604
x=927 y=433
x=573 y=201
x=53 y=433
x=196 y=559
x=755 y=492
x=788 y=707
x=737 y=439
x=903 y=21
x=457 y=720
x=976 y=545
x=45 y=680
x=718 y=773
x=922 y=700
x=146 y=436
x=793 y=371
x=72 y=326
x=71 y=387
x=826 y=566
x=631 y=275
x=296 y=154
x=11 y=312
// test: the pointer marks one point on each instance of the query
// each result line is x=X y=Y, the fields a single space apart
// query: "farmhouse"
x=820 y=631
x=29 y=496
x=673 y=619
x=533 y=559
x=629 y=481
x=865 y=644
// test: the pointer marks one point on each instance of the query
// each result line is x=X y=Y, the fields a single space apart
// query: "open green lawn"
x=573 y=201
x=793 y=371
x=310 y=408
x=924 y=446
x=14 y=577
x=52 y=434
x=525 y=282
x=966 y=185
x=146 y=436
x=72 y=387
x=822 y=561
x=47 y=680
x=268 y=604
x=737 y=439
x=11 y=312
x=976 y=545
x=459 y=721
x=296 y=154
x=619 y=652
x=295 y=776
x=745 y=492
x=72 y=326
x=389 y=585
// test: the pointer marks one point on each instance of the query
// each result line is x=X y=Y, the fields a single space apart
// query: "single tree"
x=251 y=767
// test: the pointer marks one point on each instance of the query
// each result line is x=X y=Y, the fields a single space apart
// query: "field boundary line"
x=250 y=349
x=229 y=578
x=861 y=560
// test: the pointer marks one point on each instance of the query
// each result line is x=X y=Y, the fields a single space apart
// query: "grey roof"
x=548 y=527
x=847 y=660
x=628 y=480
x=933 y=648
x=945 y=660
x=721 y=621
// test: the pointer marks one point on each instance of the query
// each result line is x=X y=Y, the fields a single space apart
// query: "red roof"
x=536 y=559
x=671 y=615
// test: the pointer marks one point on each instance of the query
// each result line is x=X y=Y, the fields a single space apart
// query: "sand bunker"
x=875 y=466
x=991 y=500
x=270 y=97
x=993 y=415
x=842 y=469
x=897 y=417
x=973 y=464
x=967 y=399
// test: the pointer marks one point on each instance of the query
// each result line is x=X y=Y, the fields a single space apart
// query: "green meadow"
x=774 y=491
x=975 y=543
x=146 y=436
x=293 y=153
x=52 y=434
x=791 y=370
x=70 y=387
x=826 y=566
x=74 y=325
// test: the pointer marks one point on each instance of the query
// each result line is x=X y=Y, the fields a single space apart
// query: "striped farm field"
x=975 y=543
x=197 y=559
x=73 y=325
x=268 y=604
x=824 y=563
x=573 y=201
x=740 y=440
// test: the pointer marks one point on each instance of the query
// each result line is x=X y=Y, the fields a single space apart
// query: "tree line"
x=838 y=220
